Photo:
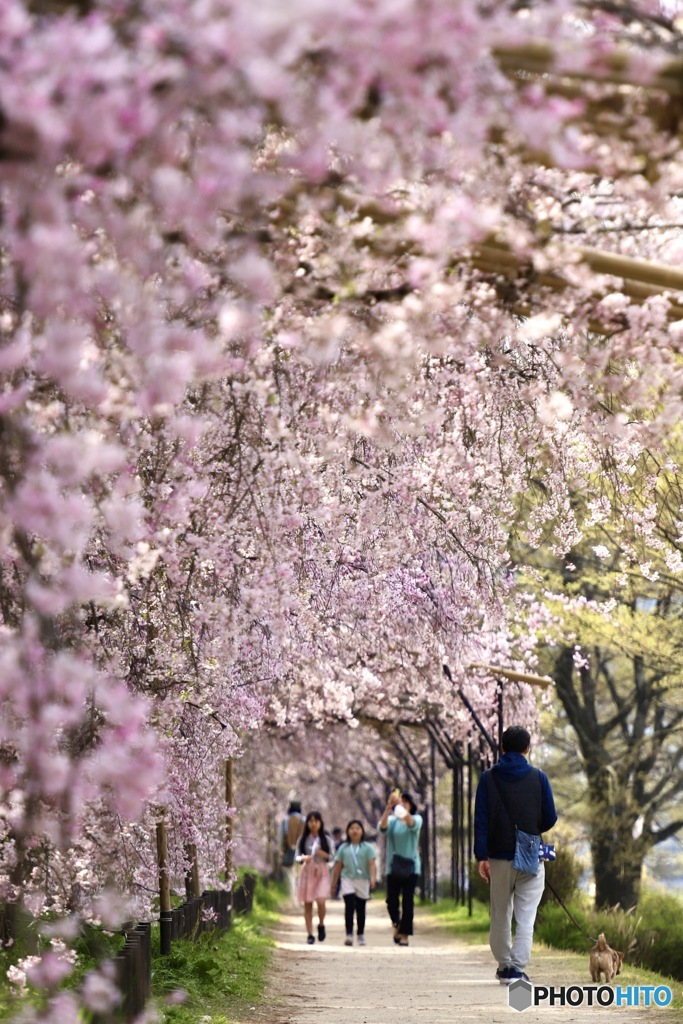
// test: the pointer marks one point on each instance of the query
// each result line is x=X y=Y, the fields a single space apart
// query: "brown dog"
x=605 y=960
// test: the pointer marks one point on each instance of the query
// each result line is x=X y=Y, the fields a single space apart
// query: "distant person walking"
x=401 y=823
x=512 y=795
x=355 y=867
x=315 y=849
x=338 y=837
x=290 y=833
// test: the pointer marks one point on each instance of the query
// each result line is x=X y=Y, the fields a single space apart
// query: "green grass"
x=222 y=977
x=5 y=1008
x=457 y=918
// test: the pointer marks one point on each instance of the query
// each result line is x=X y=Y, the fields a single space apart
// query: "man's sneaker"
x=310 y=940
x=516 y=975
x=503 y=975
x=321 y=933
x=348 y=941
x=361 y=940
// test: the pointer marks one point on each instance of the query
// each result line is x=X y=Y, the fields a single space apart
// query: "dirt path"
x=438 y=979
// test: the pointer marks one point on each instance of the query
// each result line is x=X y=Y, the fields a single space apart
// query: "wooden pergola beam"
x=639 y=279
x=518 y=677
x=541 y=58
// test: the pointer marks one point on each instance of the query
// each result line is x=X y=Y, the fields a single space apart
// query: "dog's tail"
x=602 y=942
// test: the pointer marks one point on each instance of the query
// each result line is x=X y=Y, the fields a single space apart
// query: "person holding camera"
x=512 y=796
x=401 y=823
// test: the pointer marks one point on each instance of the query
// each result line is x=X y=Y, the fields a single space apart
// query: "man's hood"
x=512 y=766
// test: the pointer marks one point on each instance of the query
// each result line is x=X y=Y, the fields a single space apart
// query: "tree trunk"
x=15 y=921
x=617 y=858
x=617 y=867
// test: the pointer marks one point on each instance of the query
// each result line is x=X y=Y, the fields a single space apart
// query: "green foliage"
x=614 y=597
x=658 y=934
x=650 y=937
x=93 y=945
x=7 y=1005
x=555 y=928
x=564 y=874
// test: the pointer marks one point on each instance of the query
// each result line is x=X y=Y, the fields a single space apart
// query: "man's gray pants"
x=513 y=893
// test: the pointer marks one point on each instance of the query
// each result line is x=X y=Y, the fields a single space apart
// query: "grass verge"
x=457 y=919
x=220 y=979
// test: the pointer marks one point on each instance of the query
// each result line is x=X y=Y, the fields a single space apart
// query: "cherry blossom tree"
x=293 y=314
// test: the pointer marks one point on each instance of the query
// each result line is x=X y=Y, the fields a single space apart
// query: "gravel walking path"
x=438 y=979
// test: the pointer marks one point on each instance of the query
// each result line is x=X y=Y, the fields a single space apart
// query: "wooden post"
x=432 y=801
x=470 y=824
x=455 y=837
x=229 y=796
x=164 y=889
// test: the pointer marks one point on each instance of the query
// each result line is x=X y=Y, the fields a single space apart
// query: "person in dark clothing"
x=338 y=837
x=510 y=794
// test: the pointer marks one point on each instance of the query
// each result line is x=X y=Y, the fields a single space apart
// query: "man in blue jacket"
x=510 y=794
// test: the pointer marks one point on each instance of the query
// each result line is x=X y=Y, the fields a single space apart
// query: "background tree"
x=611 y=640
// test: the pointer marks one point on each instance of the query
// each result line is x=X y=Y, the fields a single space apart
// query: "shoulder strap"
x=534 y=771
